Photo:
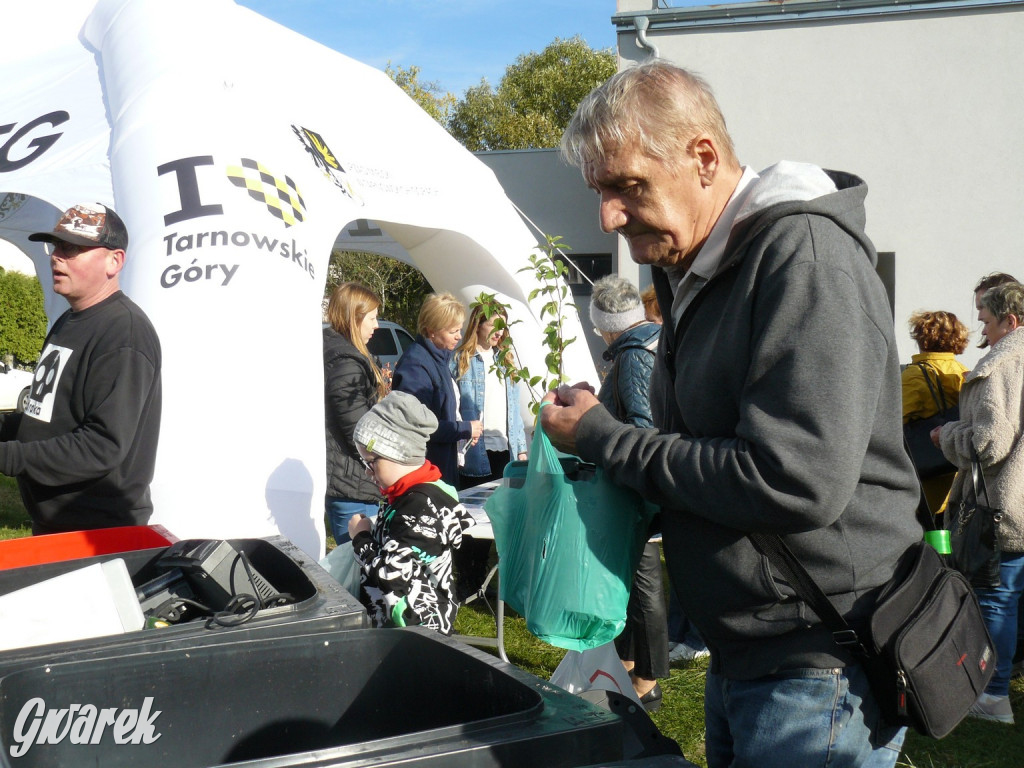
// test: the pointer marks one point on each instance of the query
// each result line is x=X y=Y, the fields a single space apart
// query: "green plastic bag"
x=568 y=545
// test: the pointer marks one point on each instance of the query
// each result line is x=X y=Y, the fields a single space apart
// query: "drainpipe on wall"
x=642 y=23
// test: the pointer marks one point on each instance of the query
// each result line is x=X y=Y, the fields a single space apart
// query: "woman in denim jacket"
x=486 y=396
x=482 y=393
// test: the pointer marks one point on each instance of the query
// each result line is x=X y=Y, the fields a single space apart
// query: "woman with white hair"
x=618 y=315
x=991 y=425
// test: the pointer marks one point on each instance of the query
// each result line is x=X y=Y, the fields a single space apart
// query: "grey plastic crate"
x=383 y=697
x=319 y=602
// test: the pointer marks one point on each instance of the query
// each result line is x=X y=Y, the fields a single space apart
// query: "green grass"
x=974 y=743
x=14 y=520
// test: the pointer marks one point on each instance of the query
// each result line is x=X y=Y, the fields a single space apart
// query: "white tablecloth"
x=474 y=498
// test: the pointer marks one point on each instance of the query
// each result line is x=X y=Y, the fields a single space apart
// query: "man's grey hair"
x=1004 y=300
x=660 y=105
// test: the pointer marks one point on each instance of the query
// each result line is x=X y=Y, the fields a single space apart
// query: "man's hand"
x=561 y=419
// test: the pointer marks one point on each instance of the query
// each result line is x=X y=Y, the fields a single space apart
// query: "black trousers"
x=644 y=641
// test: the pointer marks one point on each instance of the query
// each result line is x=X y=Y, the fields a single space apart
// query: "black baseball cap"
x=89 y=224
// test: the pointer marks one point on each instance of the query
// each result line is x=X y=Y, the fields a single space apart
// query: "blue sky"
x=455 y=43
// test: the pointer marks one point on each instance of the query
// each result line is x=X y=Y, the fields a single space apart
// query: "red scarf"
x=428 y=473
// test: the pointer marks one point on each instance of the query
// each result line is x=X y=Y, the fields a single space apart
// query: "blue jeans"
x=339 y=511
x=802 y=717
x=999 y=607
x=680 y=628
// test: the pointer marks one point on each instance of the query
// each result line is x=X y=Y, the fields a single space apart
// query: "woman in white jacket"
x=992 y=421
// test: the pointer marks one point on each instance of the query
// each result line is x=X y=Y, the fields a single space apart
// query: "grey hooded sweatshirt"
x=777 y=405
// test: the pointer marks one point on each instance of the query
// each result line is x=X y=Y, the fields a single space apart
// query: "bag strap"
x=978 y=477
x=782 y=557
x=937 y=393
x=925 y=516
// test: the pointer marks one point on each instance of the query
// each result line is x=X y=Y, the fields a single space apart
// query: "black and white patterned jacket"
x=407 y=558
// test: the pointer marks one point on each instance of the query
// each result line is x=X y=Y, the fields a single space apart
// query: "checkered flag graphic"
x=282 y=198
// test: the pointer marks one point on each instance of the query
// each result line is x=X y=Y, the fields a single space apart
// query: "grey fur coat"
x=992 y=419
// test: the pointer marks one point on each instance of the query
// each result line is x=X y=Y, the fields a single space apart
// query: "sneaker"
x=683 y=652
x=989 y=707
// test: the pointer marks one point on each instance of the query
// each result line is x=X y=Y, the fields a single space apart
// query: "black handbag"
x=928 y=458
x=974 y=533
x=926 y=651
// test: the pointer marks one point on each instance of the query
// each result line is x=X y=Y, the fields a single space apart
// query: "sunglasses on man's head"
x=69 y=250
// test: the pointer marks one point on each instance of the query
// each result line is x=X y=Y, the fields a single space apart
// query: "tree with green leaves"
x=400 y=286
x=22 y=317
x=433 y=99
x=535 y=99
x=554 y=293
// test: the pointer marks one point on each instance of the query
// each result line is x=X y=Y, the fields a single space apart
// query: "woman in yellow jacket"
x=940 y=336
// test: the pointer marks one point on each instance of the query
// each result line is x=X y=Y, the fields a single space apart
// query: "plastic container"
x=659 y=761
x=382 y=697
x=318 y=604
x=75 y=545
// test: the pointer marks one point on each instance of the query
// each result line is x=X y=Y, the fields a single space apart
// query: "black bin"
x=383 y=697
x=317 y=603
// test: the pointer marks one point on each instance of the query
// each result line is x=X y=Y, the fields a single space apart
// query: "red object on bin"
x=74 y=545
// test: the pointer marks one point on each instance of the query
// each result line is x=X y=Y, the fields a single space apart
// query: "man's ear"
x=115 y=262
x=1013 y=321
x=705 y=153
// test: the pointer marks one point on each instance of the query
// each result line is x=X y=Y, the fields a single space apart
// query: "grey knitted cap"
x=397 y=428
x=615 y=304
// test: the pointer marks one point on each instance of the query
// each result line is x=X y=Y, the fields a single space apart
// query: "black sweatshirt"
x=85 y=448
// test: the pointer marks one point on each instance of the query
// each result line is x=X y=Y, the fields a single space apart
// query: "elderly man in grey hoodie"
x=777 y=410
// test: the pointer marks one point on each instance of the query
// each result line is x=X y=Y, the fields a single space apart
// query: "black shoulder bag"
x=974 y=532
x=927 y=457
x=927 y=653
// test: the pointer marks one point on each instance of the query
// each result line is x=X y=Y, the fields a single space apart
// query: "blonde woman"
x=486 y=395
x=352 y=384
x=424 y=371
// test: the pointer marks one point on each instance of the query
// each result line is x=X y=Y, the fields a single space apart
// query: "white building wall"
x=554 y=197
x=925 y=108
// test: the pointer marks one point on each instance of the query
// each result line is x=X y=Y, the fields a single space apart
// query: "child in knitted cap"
x=406 y=556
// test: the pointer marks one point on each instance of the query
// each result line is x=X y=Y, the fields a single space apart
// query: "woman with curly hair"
x=940 y=336
x=352 y=384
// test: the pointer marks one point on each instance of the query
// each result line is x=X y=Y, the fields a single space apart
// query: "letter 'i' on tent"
x=235 y=168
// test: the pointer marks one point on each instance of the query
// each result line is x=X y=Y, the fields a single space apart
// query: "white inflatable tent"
x=236 y=150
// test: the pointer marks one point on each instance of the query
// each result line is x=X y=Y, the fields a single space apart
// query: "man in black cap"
x=85 y=447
